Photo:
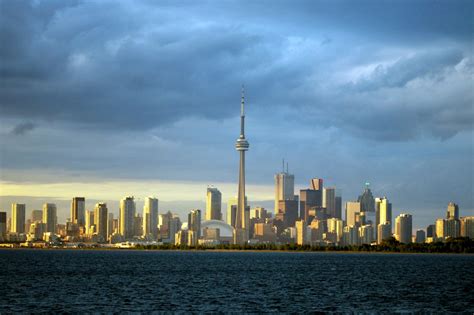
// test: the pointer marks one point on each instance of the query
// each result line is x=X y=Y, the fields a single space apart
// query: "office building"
x=194 y=222
x=352 y=208
x=150 y=217
x=101 y=220
x=289 y=211
x=127 y=217
x=383 y=211
x=50 y=217
x=452 y=212
x=78 y=211
x=308 y=199
x=367 y=201
x=403 y=228
x=18 y=218
x=420 y=236
x=384 y=232
x=213 y=204
x=300 y=226
x=467 y=227
x=329 y=202
x=338 y=206
x=284 y=187
x=241 y=230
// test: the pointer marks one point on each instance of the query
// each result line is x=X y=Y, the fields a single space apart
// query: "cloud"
x=23 y=128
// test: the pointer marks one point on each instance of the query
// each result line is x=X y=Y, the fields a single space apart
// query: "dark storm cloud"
x=23 y=128
x=136 y=66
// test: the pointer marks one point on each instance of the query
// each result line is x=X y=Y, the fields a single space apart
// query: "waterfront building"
x=366 y=234
x=452 y=212
x=18 y=218
x=352 y=208
x=452 y=228
x=336 y=226
x=181 y=238
x=367 y=201
x=264 y=232
x=300 y=226
x=383 y=211
x=36 y=215
x=467 y=227
x=403 y=228
x=78 y=210
x=213 y=204
x=194 y=223
x=150 y=217
x=127 y=217
x=241 y=230
x=384 y=231
x=101 y=220
x=350 y=235
x=50 y=217
x=89 y=222
x=420 y=236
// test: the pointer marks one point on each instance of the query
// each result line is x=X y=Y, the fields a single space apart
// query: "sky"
x=106 y=99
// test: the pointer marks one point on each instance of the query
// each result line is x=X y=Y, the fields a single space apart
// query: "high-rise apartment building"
x=127 y=217
x=403 y=228
x=78 y=210
x=452 y=212
x=213 y=204
x=150 y=217
x=300 y=226
x=336 y=225
x=352 y=208
x=420 y=236
x=467 y=227
x=384 y=231
x=383 y=211
x=366 y=234
x=101 y=220
x=50 y=217
x=18 y=218
x=194 y=222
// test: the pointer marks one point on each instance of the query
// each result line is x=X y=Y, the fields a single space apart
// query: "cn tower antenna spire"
x=242 y=102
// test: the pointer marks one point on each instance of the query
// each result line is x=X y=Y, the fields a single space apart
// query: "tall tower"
x=241 y=231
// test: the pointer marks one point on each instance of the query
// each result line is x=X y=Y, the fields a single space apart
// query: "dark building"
x=367 y=201
x=289 y=210
x=431 y=230
x=309 y=198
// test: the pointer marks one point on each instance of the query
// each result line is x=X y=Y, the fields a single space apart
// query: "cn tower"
x=241 y=232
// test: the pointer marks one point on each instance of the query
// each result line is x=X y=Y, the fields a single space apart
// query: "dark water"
x=99 y=281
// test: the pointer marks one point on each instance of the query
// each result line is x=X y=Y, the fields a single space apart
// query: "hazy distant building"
x=3 y=224
x=49 y=217
x=137 y=225
x=329 y=201
x=420 y=236
x=213 y=204
x=78 y=210
x=127 y=217
x=383 y=211
x=18 y=218
x=194 y=223
x=384 y=231
x=110 y=224
x=352 y=208
x=36 y=215
x=150 y=217
x=467 y=227
x=284 y=187
x=403 y=228
x=367 y=201
x=300 y=226
x=101 y=220
x=89 y=222
x=452 y=212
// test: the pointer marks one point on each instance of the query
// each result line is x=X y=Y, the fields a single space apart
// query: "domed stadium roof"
x=225 y=229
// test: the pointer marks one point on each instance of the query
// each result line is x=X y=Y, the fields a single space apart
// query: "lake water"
x=146 y=281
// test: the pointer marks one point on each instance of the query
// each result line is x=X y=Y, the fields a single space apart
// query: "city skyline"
x=348 y=107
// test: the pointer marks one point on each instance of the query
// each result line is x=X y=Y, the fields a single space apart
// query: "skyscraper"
x=241 y=230
x=352 y=208
x=403 y=228
x=127 y=217
x=18 y=218
x=150 y=217
x=101 y=220
x=284 y=187
x=452 y=211
x=329 y=201
x=367 y=201
x=213 y=204
x=383 y=211
x=194 y=222
x=308 y=200
x=49 y=217
x=78 y=210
